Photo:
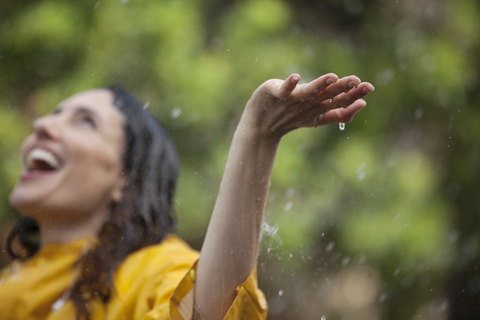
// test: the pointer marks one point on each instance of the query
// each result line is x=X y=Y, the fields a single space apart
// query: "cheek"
x=102 y=168
x=26 y=143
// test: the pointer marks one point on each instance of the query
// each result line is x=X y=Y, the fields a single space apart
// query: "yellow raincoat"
x=155 y=282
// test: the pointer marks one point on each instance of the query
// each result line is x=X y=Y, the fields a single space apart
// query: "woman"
x=98 y=181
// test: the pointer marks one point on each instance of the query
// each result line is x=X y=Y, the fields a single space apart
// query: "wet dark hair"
x=144 y=216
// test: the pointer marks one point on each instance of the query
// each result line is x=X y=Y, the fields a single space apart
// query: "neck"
x=60 y=230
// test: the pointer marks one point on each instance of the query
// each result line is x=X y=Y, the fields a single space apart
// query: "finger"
x=288 y=86
x=342 y=115
x=345 y=99
x=342 y=85
x=311 y=90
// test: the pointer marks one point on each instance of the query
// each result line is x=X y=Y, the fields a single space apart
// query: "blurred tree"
x=386 y=208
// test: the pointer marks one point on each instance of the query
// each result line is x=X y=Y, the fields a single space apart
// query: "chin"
x=25 y=204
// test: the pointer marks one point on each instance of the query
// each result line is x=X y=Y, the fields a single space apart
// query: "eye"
x=88 y=121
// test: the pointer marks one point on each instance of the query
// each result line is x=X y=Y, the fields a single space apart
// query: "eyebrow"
x=85 y=110
x=81 y=110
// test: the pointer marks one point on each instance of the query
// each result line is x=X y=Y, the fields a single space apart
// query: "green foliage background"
x=394 y=193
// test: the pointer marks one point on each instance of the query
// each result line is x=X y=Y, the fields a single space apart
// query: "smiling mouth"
x=41 y=160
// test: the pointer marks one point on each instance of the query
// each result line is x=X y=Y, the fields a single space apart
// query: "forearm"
x=232 y=242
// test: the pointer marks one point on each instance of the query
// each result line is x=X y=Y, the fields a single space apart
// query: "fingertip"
x=351 y=111
x=358 y=105
x=331 y=75
x=288 y=86
x=355 y=78
x=361 y=102
x=367 y=89
x=294 y=78
x=330 y=78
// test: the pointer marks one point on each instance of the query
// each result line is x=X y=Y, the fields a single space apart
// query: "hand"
x=278 y=107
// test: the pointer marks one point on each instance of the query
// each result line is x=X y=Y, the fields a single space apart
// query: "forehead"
x=100 y=102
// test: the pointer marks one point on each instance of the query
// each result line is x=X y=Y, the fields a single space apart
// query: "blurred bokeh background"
x=378 y=221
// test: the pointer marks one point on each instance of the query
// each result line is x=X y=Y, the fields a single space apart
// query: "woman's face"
x=72 y=162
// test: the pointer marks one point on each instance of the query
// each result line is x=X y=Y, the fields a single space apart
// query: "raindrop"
x=270 y=230
x=345 y=261
x=288 y=206
x=397 y=271
x=418 y=114
x=290 y=193
x=361 y=172
x=384 y=77
x=96 y=5
x=280 y=293
x=175 y=113
x=382 y=298
x=58 y=304
x=323 y=318
x=330 y=246
x=145 y=106
x=341 y=126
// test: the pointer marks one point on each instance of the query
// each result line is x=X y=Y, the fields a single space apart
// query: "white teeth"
x=42 y=155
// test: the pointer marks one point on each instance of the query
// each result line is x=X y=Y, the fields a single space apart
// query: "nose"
x=46 y=128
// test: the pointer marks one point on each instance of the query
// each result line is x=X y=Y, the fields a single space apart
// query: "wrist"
x=252 y=127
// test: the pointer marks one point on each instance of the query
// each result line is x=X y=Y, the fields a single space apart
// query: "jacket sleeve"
x=168 y=282
x=249 y=303
x=171 y=296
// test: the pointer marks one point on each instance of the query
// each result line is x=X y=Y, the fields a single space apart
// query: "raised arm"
x=277 y=107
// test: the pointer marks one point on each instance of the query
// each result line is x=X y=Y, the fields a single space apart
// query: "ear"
x=119 y=187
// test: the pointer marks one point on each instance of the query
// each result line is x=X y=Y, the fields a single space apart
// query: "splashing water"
x=270 y=230
x=341 y=126
x=330 y=246
x=280 y=293
x=323 y=318
x=288 y=206
x=175 y=113
x=58 y=304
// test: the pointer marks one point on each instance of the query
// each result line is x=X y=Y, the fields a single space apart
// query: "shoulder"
x=171 y=253
x=170 y=247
